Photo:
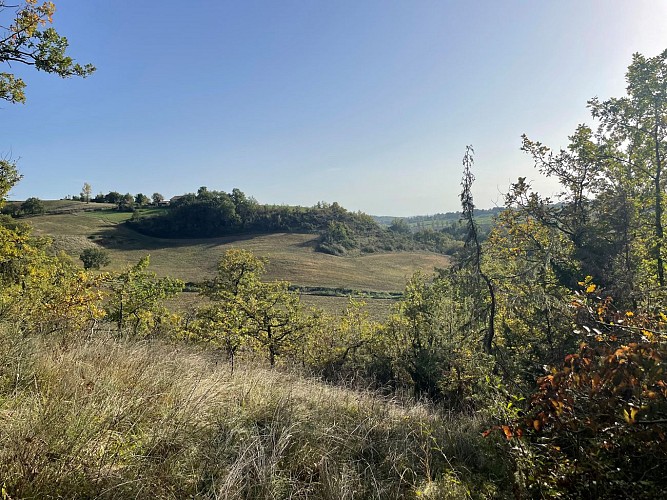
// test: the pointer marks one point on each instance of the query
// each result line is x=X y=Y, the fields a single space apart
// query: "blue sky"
x=368 y=103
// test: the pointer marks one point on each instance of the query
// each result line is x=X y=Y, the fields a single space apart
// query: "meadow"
x=291 y=256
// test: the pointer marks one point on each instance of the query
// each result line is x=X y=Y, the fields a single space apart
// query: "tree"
x=126 y=203
x=8 y=177
x=141 y=199
x=473 y=256
x=113 y=197
x=266 y=313
x=94 y=258
x=340 y=346
x=136 y=296
x=400 y=226
x=25 y=39
x=246 y=208
x=45 y=294
x=157 y=198
x=32 y=206
x=634 y=133
x=433 y=345
x=86 y=191
x=612 y=204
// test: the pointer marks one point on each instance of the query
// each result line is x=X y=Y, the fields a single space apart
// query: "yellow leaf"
x=631 y=415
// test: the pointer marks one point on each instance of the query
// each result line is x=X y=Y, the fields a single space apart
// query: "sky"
x=369 y=103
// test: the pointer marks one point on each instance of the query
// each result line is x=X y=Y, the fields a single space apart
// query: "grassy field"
x=292 y=257
x=68 y=206
x=108 y=419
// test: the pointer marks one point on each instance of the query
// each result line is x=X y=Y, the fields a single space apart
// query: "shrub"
x=32 y=206
x=94 y=258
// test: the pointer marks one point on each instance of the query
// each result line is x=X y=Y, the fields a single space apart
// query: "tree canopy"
x=26 y=37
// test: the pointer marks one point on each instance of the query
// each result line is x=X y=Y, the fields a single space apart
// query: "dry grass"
x=292 y=256
x=106 y=419
x=378 y=309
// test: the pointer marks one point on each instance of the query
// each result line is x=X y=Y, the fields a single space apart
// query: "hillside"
x=292 y=256
x=440 y=221
x=210 y=214
x=119 y=420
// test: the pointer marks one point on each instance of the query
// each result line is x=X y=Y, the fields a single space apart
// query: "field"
x=292 y=257
x=111 y=419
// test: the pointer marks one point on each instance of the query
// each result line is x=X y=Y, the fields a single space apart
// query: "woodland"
x=532 y=367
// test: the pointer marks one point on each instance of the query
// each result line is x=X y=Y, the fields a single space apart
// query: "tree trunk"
x=659 y=233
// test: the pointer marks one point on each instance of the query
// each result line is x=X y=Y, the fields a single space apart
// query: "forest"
x=217 y=213
x=532 y=367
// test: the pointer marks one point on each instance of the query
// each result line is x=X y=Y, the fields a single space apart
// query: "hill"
x=292 y=256
x=439 y=221
x=110 y=419
x=210 y=214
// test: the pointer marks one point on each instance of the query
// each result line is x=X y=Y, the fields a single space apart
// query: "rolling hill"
x=292 y=256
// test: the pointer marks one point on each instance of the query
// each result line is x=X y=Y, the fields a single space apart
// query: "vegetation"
x=210 y=214
x=25 y=40
x=534 y=367
x=291 y=256
x=32 y=206
x=94 y=258
x=118 y=419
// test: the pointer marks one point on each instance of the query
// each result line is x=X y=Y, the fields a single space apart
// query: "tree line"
x=124 y=202
x=211 y=213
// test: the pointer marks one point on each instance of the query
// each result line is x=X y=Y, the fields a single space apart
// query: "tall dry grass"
x=112 y=419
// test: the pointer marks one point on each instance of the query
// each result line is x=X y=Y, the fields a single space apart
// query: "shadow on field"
x=122 y=237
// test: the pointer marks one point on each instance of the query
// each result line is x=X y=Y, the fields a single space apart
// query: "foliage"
x=434 y=344
x=141 y=199
x=336 y=239
x=32 y=206
x=113 y=197
x=340 y=348
x=634 y=134
x=55 y=297
x=400 y=226
x=218 y=326
x=439 y=241
x=86 y=192
x=126 y=203
x=8 y=177
x=612 y=206
x=599 y=420
x=217 y=213
x=527 y=261
x=266 y=314
x=25 y=39
x=94 y=258
x=41 y=293
x=136 y=296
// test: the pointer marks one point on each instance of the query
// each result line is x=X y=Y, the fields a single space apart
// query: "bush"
x=94 y=258
x=597 y=425
x=32 y=206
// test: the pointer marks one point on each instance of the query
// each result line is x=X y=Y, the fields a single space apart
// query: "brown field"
x=292 y=257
